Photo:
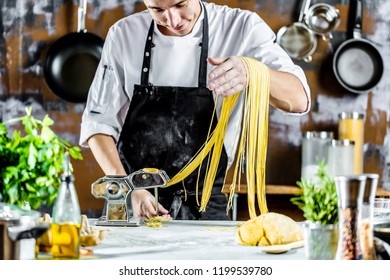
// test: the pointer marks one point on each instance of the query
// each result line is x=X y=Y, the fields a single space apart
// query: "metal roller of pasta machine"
x=116 y=189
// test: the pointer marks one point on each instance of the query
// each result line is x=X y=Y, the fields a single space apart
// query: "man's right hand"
x=144 y=205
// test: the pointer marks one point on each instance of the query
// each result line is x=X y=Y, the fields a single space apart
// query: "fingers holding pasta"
x=229 y=76
x=143 y=204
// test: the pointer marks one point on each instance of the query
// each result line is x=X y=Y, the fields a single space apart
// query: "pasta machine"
x=116 y=190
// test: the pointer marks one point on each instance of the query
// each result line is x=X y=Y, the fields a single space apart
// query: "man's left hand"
x=229 y=77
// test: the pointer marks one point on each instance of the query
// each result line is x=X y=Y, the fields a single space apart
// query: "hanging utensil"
x=322 y=19
x=357 y=63
x=72 y=60
x=297 y=39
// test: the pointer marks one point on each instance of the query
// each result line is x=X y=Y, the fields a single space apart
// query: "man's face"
x=174 y=17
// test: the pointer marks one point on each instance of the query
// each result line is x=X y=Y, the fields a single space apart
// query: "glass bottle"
x=66 y=222
x=314 y=151
x=351 y=127
x=350 y=191
x=366 y=229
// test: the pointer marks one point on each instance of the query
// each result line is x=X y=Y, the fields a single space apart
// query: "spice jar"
x=350 y=190
x=351 y=127
x=366 y=229
x=314 y=151
x=341 y=157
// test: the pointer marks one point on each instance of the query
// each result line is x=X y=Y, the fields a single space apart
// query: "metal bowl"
x=297 y=40
x=322 y=18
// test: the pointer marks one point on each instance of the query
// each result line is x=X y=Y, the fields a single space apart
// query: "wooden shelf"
x=270 y=189
x=285 y=190
x=382 y=192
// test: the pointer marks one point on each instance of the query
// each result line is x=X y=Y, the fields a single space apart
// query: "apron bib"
x=164 y=128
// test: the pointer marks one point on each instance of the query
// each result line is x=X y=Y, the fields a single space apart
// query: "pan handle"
x=357 y=27
x=82 y=11
x=305 y=4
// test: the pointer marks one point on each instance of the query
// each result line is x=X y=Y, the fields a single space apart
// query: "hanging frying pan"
x=357 y=63
x=297 y=40
x=72 y=60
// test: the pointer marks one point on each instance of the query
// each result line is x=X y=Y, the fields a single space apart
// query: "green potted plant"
x=31 y=161
x=318 y=201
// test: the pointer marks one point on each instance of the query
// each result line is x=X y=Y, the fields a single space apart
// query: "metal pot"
x=296 y=39
x=72 y=60
x=322 y=19
x=18 y=232
x=357 y=63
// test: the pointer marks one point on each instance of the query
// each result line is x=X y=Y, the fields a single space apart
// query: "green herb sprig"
x=31 y=163
x=318 y=199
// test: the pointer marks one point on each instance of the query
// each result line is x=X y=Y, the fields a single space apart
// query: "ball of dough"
x=269 y=229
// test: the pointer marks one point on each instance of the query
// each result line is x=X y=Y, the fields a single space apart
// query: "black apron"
x=164 y=128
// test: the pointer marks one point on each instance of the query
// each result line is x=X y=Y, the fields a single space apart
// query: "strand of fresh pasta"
x=257 y=138
x=220 y=129
x=217 y=150
x=254 y=137
x=262 y=136
x=252 y=147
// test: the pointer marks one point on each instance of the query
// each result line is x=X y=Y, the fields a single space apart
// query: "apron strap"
x=147 y=56
x=203 y=53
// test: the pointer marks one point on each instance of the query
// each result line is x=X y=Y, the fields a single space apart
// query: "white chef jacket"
x=175 y=62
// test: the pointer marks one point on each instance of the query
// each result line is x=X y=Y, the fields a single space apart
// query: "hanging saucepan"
x=72 y=60
x=296 y=39
x=322 y=19
x=357 y=63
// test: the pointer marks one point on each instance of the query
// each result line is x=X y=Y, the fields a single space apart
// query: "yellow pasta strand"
x=227 y=106
x=252 y=147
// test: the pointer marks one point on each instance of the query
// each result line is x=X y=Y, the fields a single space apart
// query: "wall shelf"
x=286 y=190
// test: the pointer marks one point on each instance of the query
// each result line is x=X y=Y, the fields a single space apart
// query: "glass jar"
x=314 y=151
x=341 y=157
x=366 y=229
x=350 y=190
x=351 y=127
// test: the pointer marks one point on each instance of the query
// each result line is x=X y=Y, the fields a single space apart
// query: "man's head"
x=174 y=17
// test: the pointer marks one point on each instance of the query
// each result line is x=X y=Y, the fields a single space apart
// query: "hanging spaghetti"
x=213 y=139
x=252 y=147
x=254 y=137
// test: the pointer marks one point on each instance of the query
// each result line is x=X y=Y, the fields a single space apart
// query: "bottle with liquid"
x=66 y=222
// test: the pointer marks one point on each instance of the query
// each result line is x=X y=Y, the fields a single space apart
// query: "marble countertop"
x=182 y=240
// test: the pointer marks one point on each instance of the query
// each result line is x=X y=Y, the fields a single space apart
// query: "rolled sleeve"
x=107 y=102
x=90 y=128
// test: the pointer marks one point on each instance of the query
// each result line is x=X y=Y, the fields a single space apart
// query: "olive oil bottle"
x=66 y=224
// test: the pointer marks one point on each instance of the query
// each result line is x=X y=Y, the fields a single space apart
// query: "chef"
x=151 y=102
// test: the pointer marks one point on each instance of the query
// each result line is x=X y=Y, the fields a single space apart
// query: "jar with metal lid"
x=351 y=127
x=350 y=191
x=314 y=151
x=18 y=230
x=341 y=157
x=366 y=229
